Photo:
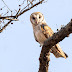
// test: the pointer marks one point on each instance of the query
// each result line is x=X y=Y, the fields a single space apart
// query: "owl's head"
x=36 y=18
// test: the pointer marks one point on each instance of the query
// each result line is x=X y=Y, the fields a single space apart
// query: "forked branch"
x=19 y=13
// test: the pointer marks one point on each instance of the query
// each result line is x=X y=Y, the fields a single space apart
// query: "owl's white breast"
x=39 y=35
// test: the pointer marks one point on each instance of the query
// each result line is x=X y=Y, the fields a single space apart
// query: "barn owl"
x=42 y=32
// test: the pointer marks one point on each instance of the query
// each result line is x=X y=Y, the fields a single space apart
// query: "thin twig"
x=11 y=19
x=24 y=8
x=20 y=14
x=6 y=5
x=5 y=26
x=6 y=13
x=30 y=8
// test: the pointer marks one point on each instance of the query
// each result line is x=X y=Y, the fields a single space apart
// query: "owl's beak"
x=37 y=21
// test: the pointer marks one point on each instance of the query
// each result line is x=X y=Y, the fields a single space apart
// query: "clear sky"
x=19 y=52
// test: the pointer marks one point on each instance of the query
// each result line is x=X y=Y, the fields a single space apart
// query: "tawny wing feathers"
x=56 y=50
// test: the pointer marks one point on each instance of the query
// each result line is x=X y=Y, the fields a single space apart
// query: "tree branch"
x=30 y=8
x=57 y=37
x=18 y=14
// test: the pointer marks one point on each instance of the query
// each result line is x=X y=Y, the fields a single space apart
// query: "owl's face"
x=36 y=18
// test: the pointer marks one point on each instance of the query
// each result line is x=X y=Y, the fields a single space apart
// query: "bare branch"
x=30 y=8
x=6 y=5
x=5 y=26
x=57 y=37
x=18 y=12
x=11 y=19
x=7 y=17
x=17 y=15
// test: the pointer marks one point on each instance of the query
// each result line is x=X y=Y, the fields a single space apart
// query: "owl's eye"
x=33 y=18
x=39 y=16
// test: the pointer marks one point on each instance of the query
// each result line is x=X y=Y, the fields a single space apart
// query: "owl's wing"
x=56 y=50
x=47 y=31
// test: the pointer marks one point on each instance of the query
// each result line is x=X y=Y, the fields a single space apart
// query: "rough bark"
x=57 y=37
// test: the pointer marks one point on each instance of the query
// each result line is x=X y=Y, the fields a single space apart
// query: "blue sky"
x=19 y=52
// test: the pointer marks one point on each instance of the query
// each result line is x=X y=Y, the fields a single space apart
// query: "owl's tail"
x=57 y=51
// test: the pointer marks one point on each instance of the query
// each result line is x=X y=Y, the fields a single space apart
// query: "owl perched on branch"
x=42 y=32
